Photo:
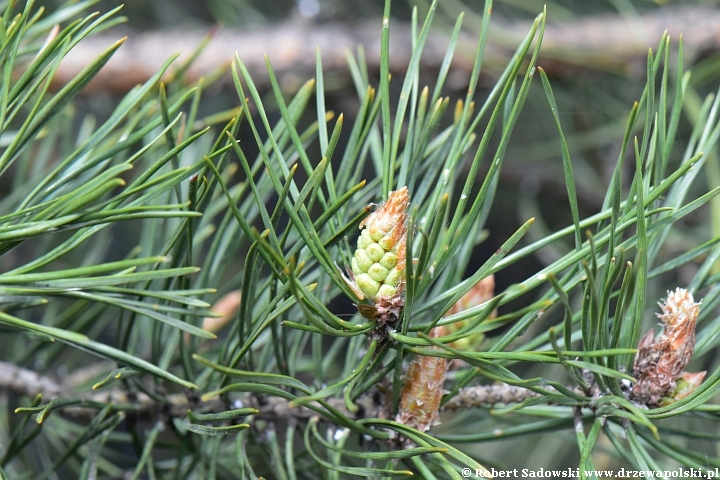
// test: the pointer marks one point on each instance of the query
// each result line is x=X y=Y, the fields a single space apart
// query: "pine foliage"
x=294 y=381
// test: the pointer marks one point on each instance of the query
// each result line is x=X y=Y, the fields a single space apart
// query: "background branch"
x=608 y=42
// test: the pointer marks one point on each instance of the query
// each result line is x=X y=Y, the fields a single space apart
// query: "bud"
x=228 y=307
x=480 y=293
x=660 y=361
x=423 y=389
x=684 y=386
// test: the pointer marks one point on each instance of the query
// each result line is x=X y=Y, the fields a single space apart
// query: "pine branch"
x=289 y=327
x=487 y=396
x=25 y=382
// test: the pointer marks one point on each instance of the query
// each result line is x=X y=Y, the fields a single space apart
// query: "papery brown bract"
x=423 y=389
x=661 y=360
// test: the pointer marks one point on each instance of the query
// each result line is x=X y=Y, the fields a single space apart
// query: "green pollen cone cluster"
x=378 y=265
x=374 y=266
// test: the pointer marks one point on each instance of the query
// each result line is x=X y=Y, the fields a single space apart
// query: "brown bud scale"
x=423 y=389
x=660 y=360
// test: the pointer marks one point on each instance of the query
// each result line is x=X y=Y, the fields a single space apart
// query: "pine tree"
x=291 y=316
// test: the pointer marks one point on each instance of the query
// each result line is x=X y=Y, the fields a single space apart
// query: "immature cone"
x=378 y=265
x=423 y=389
x=660 y=361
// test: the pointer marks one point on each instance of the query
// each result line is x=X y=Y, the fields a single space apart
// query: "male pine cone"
x=378 y=265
